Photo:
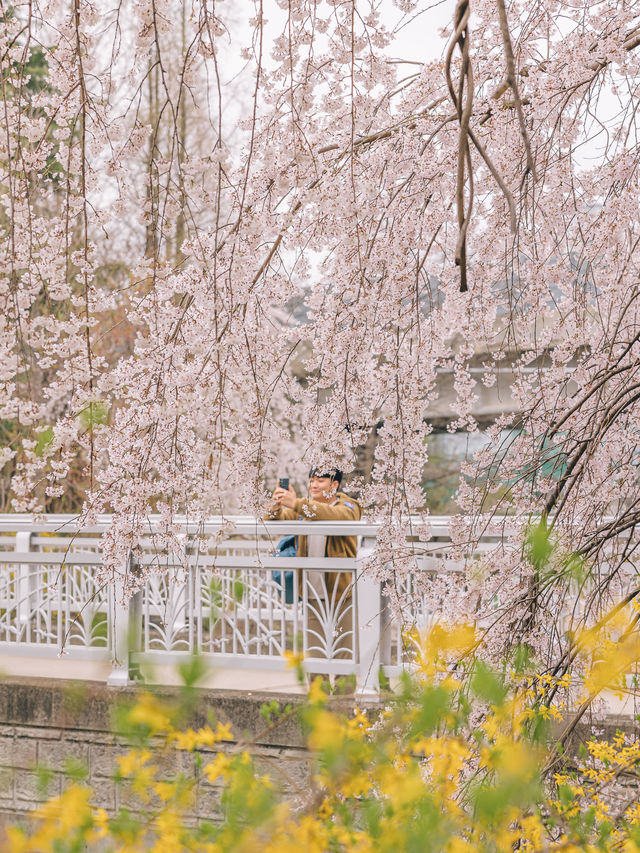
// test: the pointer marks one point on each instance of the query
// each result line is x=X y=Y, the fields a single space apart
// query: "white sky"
x=418 y=39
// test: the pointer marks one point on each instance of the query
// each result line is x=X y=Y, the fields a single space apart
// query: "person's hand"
x=285 y=497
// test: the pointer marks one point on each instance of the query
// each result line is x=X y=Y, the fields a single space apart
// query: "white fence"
x=230 y=600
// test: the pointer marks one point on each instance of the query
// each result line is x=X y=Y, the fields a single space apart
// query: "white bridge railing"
x=227 y=598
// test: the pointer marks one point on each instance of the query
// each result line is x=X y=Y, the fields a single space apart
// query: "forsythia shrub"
x=460 y=759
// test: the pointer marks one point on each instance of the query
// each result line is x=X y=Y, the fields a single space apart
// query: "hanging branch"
x=512 y=82
x=465 y=93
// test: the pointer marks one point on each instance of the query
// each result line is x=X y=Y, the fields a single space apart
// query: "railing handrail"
x=242 y=524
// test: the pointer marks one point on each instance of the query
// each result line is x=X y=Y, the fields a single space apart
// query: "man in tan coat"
x=331 y=589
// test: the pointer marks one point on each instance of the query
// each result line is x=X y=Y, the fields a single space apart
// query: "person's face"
x=321 y=488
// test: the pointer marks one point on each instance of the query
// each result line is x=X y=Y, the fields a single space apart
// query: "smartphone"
x=283 y=482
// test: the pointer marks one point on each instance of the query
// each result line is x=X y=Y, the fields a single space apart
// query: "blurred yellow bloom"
x=149 y=711
x=204 y=737
x=218 y=767
x=133 y=761
x=439 y=644
x=294 y=659
x=18 y=841
x=327 y=731
x=317 y=695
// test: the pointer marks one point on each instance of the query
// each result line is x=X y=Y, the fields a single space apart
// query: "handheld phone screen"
x=283 y=482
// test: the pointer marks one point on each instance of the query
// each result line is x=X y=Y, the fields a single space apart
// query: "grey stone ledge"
x=46 y=707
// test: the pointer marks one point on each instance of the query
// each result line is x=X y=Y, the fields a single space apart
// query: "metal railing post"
x=386 y=631
x=368 y=606
x=135 y=634
x=126 y=620
x=24 y=582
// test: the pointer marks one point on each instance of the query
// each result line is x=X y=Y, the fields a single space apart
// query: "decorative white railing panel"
x=232 y=601
x=50 y=601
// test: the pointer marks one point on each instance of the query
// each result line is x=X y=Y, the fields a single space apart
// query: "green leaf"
x=215 y=597
x=383 y=681
x=44 y=778
x=238 y=590
x=76 y=770
x=492 y=801
x=539 y=731
x=37 y=68
x=44 y=441
x=93 y=413
x=435 y=703
x=125 y=826
x=539 y=544
x=488 y=685
x=270 y=710
x=522 y=658
x=566 y=796
x=575 y=568
x=192 y=670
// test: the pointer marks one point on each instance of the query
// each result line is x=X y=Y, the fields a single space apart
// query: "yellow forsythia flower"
x=218 y=767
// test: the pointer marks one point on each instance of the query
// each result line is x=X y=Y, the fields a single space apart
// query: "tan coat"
x=343 y=508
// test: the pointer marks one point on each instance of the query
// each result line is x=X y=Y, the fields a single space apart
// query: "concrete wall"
x=46 y=722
